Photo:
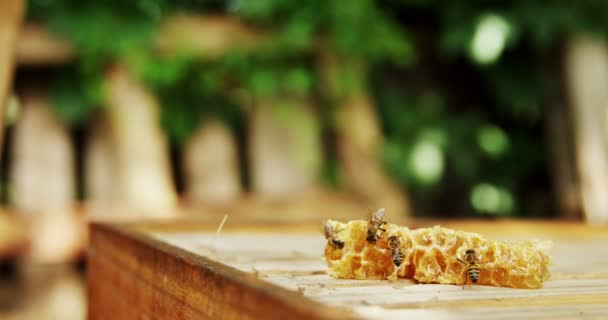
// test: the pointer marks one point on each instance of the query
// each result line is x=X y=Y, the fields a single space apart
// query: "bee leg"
x=380 y=227
x=464 y=283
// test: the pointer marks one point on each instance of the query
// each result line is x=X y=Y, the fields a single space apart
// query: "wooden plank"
x=158 y=271
x=129 y=297
x=295 y=263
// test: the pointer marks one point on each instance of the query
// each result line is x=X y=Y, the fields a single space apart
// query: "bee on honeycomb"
x=433 y=255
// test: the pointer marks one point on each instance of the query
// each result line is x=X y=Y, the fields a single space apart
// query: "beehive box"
x=186 y=271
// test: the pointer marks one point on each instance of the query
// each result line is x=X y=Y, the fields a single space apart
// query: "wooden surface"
x=135 y=276
x=186 y=271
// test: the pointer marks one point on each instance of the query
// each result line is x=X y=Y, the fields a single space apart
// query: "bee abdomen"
x=398 y=258
x=474 y=274
x=338 y=244
x=371 y=236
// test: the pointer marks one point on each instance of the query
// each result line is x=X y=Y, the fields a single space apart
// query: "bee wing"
x=327 y=229
x=379 y=215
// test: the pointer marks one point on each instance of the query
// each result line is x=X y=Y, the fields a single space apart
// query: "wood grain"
x=133 y=271
x=186 y=271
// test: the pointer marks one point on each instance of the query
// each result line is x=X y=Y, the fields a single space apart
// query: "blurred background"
x=288 y=110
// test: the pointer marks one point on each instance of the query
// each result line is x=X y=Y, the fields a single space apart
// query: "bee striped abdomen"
x=396 y=253
x=337 y=243
x=371 y=235
x=397 y=257
x=473 y=273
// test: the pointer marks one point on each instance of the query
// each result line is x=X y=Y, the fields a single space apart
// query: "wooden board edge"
x=166 y=267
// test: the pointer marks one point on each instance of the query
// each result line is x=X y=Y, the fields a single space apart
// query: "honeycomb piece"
x=431 y=256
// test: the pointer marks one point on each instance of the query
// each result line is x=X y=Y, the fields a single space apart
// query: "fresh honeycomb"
x=431 y=256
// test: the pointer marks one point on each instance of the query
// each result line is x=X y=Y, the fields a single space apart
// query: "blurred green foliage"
x=190 y=92
x=461 y=87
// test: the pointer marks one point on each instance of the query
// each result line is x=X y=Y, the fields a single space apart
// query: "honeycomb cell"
x=431 y=256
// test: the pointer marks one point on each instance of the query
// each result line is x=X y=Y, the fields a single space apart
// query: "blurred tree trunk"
x=211 y=166
x=11 y=12
x=565 y=180
x=142 y=157
x=285 y=147
x=359 y=136
x=586 y=65
x=100 y=168
x=43 y=180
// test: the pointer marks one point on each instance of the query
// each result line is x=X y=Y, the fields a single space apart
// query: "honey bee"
x=472 y=266
x=331 y=236
x=376 y=221
x=396 y=252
